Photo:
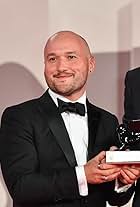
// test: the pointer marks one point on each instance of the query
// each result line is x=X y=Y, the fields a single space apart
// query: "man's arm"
x=20 y=164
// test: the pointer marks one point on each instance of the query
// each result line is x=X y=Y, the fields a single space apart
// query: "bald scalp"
x=68 y=34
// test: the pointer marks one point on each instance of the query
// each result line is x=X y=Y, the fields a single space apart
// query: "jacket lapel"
x=93 y=123
x=57 y=127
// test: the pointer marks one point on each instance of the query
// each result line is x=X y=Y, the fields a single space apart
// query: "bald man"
x=53 y=148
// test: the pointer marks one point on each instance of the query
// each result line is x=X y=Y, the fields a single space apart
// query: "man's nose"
x=61 y=65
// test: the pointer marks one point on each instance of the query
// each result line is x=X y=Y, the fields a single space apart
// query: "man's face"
x=67 y=64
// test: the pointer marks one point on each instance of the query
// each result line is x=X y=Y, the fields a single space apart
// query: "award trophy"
x=129 y=138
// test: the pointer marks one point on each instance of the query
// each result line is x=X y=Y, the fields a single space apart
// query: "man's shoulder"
x=134 y=72
x=25 y=104
x=103 y=112
x=26 y=107
x=133 y=77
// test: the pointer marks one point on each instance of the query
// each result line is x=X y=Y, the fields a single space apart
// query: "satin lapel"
x=57 y=126
x=93 y=123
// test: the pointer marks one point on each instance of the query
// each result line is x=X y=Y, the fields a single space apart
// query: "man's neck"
x=71 y=98
x=54 y=95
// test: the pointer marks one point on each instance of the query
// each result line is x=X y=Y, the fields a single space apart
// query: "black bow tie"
x=77 y=108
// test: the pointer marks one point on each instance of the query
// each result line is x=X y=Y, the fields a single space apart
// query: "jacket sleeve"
x=20 y=166
x=120 y=199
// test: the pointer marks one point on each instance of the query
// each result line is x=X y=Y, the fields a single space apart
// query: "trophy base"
x=122 y=157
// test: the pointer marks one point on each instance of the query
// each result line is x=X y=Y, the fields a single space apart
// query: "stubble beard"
x=66 y=89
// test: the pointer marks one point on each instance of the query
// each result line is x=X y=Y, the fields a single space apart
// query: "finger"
x=131 y=172
x=106 y=166
x=136 y=166
x=126 y=178
x=122 y=180
x=103 y=161
x=101 y=156
x=110 y=177
x=113 y=148
x=109 y=172
x=132 y=168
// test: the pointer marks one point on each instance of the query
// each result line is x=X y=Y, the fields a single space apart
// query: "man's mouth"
x=66 y=75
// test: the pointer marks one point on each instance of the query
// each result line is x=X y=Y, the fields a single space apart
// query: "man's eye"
x=71 y=57
x=52 y=59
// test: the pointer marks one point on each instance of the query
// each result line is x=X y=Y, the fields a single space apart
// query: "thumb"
x=113 y=148
x=100 y=156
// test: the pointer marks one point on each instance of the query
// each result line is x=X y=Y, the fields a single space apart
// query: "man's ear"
x=91 y=63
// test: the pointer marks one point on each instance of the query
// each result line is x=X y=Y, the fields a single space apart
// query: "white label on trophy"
x=121 y=157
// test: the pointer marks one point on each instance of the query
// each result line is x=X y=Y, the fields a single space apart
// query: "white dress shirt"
x=77 y=127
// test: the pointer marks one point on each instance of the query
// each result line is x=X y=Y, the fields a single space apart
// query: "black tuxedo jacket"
x=132 y=94
x=132 y=111
x=38 y=161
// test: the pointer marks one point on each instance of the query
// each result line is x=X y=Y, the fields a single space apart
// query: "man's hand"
x=97 y=171
x=129 y=173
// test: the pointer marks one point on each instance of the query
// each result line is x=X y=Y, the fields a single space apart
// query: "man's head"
x=68 y=62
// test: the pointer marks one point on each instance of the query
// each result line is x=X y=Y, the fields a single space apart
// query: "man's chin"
x=63 y=92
